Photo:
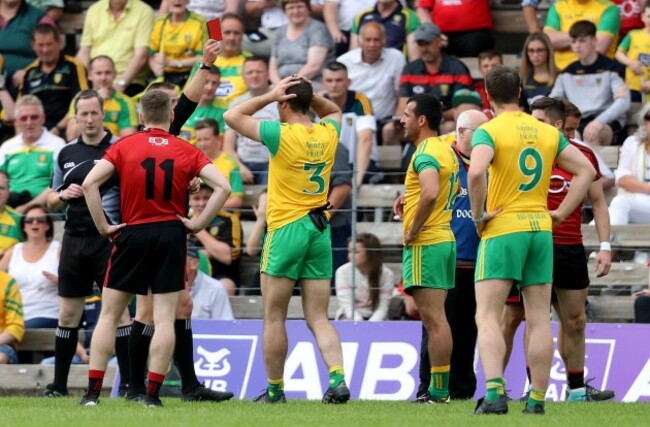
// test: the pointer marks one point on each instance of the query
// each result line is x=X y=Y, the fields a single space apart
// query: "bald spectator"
x=119 y=29
x=399 y=23
x=121 y=115
x=28 y=158
x=54 y=78
x=375 y=70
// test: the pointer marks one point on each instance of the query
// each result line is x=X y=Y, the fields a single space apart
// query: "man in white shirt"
x=375 y=70
x=209 y=297
x=29 y=157
x=252 y=156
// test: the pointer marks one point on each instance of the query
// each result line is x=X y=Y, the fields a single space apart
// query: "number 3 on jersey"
x=531 y=165
x=167 y=166
x=315 y=170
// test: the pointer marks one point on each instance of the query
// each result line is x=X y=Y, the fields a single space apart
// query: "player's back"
x=438 y=153
x=520 y=173
x=155 y=169
x=299 y=170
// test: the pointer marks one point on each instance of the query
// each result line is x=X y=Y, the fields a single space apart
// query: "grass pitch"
x=64 y=412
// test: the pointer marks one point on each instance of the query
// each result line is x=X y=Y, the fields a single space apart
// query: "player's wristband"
x=605 y=246
x=479 y=220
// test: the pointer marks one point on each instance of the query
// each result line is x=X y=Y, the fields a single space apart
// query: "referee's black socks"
x=65 y=346
x=184 y=354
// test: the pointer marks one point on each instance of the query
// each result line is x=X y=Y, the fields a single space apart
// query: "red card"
x=214 y=29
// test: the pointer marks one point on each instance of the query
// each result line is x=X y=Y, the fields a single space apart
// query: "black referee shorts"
x=82 y=263
x=148 y=256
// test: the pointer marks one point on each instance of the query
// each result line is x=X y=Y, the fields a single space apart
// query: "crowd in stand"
x=367 y=56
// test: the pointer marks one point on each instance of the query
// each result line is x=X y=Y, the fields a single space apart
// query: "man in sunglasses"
x=29 y=157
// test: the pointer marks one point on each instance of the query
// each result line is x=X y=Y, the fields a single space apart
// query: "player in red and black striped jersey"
x=149 y=248
x=570 y=270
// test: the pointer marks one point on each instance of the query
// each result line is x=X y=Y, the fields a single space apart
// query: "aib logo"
x=224 y=362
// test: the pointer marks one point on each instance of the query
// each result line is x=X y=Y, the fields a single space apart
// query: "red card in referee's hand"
x=214 y=29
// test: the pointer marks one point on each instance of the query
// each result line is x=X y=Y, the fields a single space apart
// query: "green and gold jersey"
x=564 y=13
x=9 y=229
x=229 y=168
x=437 y=154
x=299 y=168
x=178 y=41
x=636 y=45
x=520 y=173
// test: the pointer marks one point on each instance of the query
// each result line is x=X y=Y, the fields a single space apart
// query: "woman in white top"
x=34 y=265
x=373 y=282
x=632 y=203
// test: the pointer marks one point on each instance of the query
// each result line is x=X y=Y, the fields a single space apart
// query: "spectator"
x=263 y=18
x=359 y=126
x=632 y=203
x=176 y=42
x=119 y=29
x=300 y=47
x=564 y=13
x=52 y=8
x=634 y=53
x=209 y=9
x=6 y=106
x=375 y=70
x=466 y=23
x=210 y=299
x=17 y=21
x=486 y=61
x=252 y=157
x=341 y=207
x=366 y=295
x=210 y=142
x=28 y=158
x=121 y=116
x=12 y=326
x=425 y=75
x=399 y=23
x=537 y=71
x=231 y=59
x=34 y=264
x=594 y=83
x=10 y=230
x=254 y=244
x=222 y=241
x=209 y=107
x=54 y=78
x=465 y=99
x=629 y=10
x=339 y=16
x=571 y=123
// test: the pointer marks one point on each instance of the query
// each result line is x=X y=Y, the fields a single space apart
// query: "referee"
x=84 y=252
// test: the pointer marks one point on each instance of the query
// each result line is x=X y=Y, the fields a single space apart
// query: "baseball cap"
x=466 y=96
x=192 y=251
x=427 y=32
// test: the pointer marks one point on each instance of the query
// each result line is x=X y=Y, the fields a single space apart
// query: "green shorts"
x=429 y=266
x=524 y=257
x=298 y=250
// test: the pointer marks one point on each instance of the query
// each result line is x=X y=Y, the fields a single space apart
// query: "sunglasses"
x=36 y=219
x=647 y=117
x=33 y=117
